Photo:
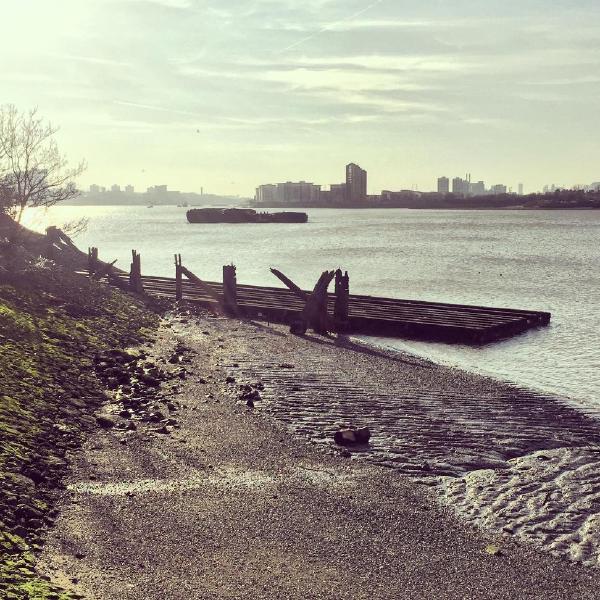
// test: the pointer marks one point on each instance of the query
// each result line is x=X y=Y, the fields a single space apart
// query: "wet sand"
x=257 y=503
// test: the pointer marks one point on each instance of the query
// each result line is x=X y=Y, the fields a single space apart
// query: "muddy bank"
x=233 y=504
x=507 y=459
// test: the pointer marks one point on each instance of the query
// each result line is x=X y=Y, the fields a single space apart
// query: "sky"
x=230 y=94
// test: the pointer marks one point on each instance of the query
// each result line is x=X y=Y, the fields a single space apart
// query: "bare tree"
x=5 y=196
x=32 y=170
x=75 y=227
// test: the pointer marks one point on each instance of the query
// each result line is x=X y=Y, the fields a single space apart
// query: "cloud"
x=283 y=72
x=322 y=30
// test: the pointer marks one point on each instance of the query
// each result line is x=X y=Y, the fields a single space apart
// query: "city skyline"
x=443 y=184
x=198 y=93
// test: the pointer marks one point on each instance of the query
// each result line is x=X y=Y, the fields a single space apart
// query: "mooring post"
x=230 y=290
x=50 y=239
x=135 y=274
x=342 y=297
x=132 y=271
x=92 y=261
x=178 y=279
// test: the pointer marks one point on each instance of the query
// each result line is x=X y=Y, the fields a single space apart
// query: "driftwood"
x=290 y=284
x=107 y=270
x=218 y=307
x=314 y=314
x=57 y=241
x=104 y=270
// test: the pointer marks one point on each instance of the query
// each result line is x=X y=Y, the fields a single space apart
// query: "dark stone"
x=112 y=383
x=155 y=417
x=105 y=422
x=24 y=512
x=298 y=327
x=251 y=396
x=35 y=475
x=149 y=380
x=352 y=437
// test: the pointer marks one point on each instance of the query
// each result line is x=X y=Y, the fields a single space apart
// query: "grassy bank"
x=52 y=325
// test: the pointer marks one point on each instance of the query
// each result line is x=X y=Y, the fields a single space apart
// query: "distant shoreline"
x=306 y=207
x=454 y=208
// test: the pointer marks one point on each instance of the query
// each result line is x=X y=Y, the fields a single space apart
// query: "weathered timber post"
x=342 y=298
x=178 y=278
x=92 y=261
x=132 y=271
x=215 y=300
x=315 y=310
x=105 y=270
x=230 y=290
x=51 y=238
x=135 y=274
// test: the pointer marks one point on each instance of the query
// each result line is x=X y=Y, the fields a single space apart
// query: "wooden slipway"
x=369 y=315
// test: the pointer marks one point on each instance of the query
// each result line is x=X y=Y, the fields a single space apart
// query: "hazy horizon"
x=198 y=94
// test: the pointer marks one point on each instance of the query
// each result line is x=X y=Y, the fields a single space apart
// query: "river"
x=542 y=260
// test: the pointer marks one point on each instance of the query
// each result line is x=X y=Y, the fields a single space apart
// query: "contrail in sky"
x=331 y=26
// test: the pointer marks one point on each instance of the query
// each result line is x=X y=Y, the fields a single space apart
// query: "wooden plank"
x=366 y=314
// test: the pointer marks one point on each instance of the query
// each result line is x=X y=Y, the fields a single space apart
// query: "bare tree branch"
x=33 y=172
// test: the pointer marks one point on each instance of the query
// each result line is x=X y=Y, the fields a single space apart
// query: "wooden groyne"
x=345 y=312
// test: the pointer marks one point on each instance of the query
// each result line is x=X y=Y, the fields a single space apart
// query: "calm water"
x=543 y=260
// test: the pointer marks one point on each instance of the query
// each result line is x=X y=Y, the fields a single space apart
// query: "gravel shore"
x=240 y=502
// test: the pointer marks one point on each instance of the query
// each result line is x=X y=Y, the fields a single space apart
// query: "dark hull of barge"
x=242 y=215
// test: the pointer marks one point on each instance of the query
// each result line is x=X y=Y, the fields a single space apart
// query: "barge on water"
x=242 y=215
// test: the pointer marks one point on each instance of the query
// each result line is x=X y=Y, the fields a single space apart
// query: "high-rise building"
x=520 y=189
x=157 y=189
x=115 y=188
x=460 y=187
x=288 y=192
x=477 y=188
x=129 y=189
x=356 y=183
x=443 y=185
x=338 y=193
x=301 y=191
x=498 y=189
x=94 y=189
x=266 y=194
